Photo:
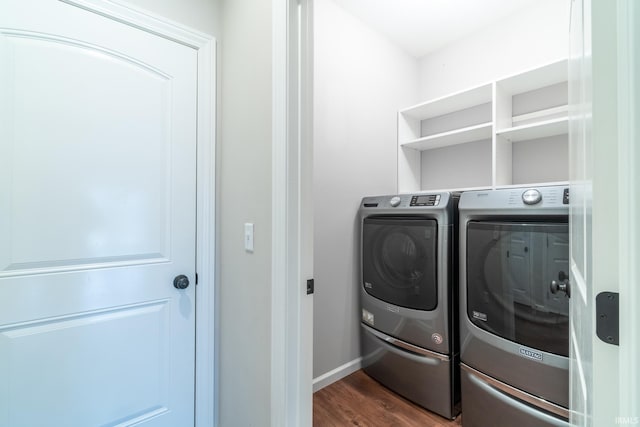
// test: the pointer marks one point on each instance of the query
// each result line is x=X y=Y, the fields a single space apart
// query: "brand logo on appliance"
x=530 y=354
x=480 y=316
x=368 y=285
x=437 y=338
x=393 y=308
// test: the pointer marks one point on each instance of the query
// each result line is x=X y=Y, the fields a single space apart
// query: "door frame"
x=292 y=217
x=206 y=377
x=604 y=377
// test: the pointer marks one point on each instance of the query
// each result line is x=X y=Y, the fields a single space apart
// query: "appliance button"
x=531 y=197
x=395 y=201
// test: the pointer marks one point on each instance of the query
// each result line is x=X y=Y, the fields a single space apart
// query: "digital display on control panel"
x=425 y=200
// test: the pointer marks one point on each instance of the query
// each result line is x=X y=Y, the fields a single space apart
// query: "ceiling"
x=422 y=26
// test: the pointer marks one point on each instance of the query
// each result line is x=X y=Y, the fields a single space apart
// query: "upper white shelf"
x=454 y=137
x=558 y=126
x=450 y=103
x=547 y=75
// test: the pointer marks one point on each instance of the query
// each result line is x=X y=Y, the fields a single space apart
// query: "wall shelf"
x=454 y=137
x=542 y=129
x=509 y=132
x=450 y=103
x=541 y=115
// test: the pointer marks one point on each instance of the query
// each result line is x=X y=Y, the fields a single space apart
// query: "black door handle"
x=181 y=282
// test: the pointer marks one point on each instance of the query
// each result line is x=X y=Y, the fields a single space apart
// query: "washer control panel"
x=543 y=197
x=425 y=200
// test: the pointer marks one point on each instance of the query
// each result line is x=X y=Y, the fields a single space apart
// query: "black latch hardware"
x=310 y=286
x=607 y=317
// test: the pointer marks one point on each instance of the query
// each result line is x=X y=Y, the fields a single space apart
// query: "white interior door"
x=604 y=181
x=628 y=29
x=97 y=217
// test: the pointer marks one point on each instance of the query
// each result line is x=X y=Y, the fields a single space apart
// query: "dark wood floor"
x=358 y=400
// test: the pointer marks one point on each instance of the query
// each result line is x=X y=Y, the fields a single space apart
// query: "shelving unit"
x=512 y=131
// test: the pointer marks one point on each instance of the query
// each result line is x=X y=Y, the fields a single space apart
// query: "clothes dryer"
x=408 y=297
x=514 y=315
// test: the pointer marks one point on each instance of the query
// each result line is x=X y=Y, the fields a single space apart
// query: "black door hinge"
x=608 y=317
x=310 y=286
x=196 y=278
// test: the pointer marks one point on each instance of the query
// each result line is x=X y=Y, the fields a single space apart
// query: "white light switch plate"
x=248 y=237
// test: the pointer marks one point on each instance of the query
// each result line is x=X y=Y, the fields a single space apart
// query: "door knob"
x=561 y=285
x=181 y=282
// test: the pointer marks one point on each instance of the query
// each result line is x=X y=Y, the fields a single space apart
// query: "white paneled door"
x=97 y=218
x=605 y=178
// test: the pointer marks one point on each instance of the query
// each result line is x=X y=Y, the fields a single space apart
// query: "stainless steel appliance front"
x=513 y=327
x=407 y=296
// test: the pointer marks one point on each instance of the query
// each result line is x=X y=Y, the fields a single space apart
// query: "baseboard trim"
x=337 y=374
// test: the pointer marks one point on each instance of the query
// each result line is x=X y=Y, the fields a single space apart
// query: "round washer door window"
x=399 y=261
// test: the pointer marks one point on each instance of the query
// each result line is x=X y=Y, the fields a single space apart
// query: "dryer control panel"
x=425 y=200
x=409 y=203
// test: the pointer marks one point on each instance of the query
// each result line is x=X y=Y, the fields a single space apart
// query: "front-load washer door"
x=399 y=259
x=510 y=266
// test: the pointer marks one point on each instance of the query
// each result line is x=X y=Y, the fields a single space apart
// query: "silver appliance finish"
x=488 y=402
x=415 y=352
x=497 y=372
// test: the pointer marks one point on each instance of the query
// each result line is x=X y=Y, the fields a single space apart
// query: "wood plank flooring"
x=359 y=400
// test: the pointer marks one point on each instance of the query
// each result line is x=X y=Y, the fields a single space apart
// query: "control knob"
x=531 y=197
x=395 y=201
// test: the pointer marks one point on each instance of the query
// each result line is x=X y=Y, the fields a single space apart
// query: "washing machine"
x=514 y=307
x=408 y=297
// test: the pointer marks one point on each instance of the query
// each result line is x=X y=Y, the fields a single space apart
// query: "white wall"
x=244 y=195
x=524 y=40
x=361 y=80
x=202 y=15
